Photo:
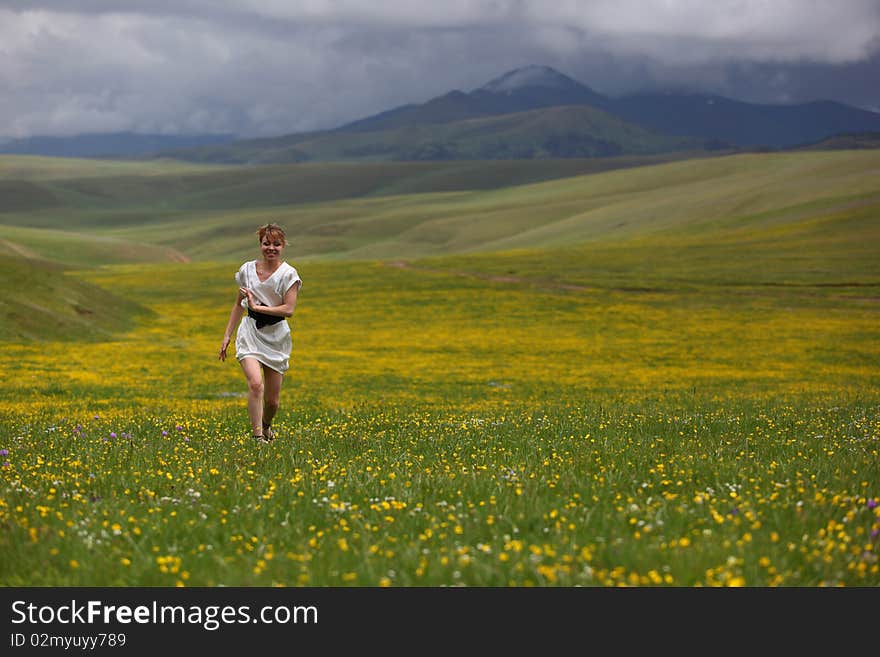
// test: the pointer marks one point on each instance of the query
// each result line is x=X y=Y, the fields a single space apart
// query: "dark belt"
x=262 y=319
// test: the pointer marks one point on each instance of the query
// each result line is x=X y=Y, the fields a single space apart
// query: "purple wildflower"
x=872 y=503
x=4 y=452
x=113 y=434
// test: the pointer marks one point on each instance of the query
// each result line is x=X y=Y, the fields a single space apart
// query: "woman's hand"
x=223 y=347
x=247 y=294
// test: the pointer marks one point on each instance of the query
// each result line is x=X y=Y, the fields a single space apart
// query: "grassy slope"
x=41 y=302
x=182 y=207
x=805 y=219
x=32 y=167
x=735 y=199
x=95 y=184
x=382 y=210
x=81 y=249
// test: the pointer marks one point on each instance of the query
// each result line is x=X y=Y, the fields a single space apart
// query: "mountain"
x=552 y=132
x=530 y=112
x=711 y=118
x=523 y=89
x=114 y=144
x=743 y=124
x=536 y=111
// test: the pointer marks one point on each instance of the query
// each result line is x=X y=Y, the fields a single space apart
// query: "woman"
x=267 y=293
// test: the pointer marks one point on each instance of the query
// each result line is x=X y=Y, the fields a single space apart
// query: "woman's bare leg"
x=271 y=394
x=253 y=372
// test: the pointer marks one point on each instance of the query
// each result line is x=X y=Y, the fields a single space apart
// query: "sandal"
x=260 y=438
x=268 y=433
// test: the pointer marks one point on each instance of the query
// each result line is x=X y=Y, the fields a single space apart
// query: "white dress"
x=271 y=344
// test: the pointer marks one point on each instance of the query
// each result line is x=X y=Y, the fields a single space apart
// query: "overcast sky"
x=271 y=67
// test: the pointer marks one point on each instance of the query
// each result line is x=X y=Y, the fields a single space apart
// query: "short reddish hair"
x=272 y=230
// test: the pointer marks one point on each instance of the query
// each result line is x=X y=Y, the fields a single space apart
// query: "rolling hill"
x=42 y=302
x=392 y=210
x=74 y=195
x=795 y=219
x=845 y=141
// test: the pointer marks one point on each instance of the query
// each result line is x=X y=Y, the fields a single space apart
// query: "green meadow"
x=602 y=373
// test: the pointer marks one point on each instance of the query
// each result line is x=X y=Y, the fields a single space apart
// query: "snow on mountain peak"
x=529 y=76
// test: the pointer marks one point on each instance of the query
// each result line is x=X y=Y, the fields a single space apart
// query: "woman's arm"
x=286 y=308
x=235 y=316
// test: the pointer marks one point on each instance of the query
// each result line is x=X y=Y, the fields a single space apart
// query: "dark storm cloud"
x=266 y=67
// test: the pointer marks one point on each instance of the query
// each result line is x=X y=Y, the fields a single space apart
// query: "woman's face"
x=272 y=246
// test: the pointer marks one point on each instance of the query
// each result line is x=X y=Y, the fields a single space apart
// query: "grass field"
x=690 y=399
x=410 y=210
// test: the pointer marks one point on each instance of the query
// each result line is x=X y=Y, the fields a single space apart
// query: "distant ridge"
x=846 y=141
x=538 y=112
x=529 y=112
x=744 y=124
x=111 y=144
x=553 y=132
